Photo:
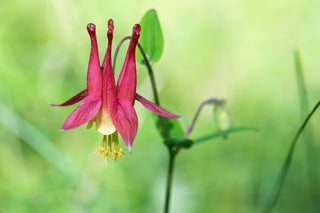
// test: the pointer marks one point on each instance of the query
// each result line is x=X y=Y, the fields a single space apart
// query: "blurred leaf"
x=223 y=134
x=180 y=142
x=301 y=85
x=39 y=142
x=151 y=38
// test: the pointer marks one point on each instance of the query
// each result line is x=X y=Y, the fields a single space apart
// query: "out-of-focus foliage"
x=237 y=50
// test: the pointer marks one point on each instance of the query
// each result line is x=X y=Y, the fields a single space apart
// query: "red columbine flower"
x=111 y=105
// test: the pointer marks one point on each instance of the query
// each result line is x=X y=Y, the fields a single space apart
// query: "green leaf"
x=301 y=85
x=151 y=38
x=180 y=142
x=223 y=134
x=173 y=126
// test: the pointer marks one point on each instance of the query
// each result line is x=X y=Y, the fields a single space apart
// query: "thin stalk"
x=117 y=51
x=172 y=150
x=210 y=101
x=310 y=149
x=147 y=63
x=172 y=154
x=284 y=171
x=151 y=75
x=165 y=131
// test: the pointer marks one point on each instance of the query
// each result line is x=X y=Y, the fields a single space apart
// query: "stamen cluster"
x=110 y=148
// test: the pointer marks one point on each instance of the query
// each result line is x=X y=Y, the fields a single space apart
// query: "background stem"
x=285 y=168
x=309 y=142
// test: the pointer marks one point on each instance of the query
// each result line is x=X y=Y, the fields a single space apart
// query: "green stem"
x=151 y=75
x=285 y=168
x=117 y=51
x=172 y=150
x=172 y=154
x=165 y=131
x=310 y=148
x=210 y=101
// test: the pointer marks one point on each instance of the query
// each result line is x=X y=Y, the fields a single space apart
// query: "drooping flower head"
x=108 y=104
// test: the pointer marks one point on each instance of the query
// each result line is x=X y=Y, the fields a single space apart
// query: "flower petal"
x=104 y=123
x=108 y=82
x=127 y=81
x=103 y=120
x=155 y=108
x=125 y=119
x=94 y=78
x=75 y=99
x=84 y=112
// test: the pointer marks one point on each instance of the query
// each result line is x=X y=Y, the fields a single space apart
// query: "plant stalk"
x=172 y=154
x=165 y=133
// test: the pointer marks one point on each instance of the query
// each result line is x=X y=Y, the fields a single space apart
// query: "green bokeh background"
x=238 y=50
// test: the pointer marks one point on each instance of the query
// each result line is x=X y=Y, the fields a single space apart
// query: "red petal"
x=108 y=82
x=94 y=78
x=84 y=112
x=155 y=108
x=128 y=77
x=103 y=119
x=125 y=119
x=75 y=99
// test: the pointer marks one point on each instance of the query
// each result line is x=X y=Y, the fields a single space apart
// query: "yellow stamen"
x=110 y=148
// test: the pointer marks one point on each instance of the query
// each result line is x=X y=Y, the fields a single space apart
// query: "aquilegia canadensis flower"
x=108 y=104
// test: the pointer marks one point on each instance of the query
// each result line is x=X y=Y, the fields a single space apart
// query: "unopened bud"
x=222 y=116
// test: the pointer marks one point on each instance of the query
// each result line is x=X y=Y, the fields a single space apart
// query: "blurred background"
x=238 y=50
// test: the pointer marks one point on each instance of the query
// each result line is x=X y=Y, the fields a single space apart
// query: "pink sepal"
x=84 y=112
x=155 y=108
x=125 y=119
x=75 y=99
x=127 y=81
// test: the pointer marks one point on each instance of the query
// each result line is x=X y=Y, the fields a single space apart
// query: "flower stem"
x=210 y=101
x=172 y=154
x=165 y=132
x=117 y=51
x=147 y=63
x=173 y=150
